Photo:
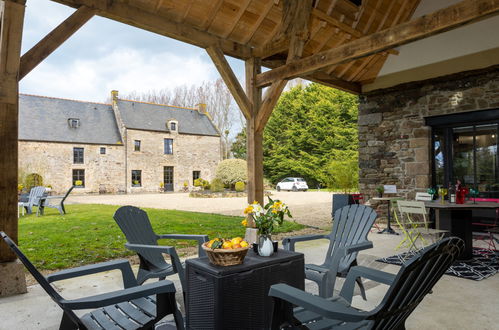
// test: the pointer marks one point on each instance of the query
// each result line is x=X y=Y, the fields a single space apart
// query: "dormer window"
x=172 y=126
x=73 y=122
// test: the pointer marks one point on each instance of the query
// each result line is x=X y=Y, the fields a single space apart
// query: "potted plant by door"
x=380 y=190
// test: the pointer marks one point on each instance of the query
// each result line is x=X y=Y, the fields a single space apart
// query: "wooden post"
x=12 y=278
x=254 y=136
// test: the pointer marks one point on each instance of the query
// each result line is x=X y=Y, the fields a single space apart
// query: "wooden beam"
x=259 y=21
x=299 y=29
x=237 y=17
x=230 y=79
x=272 y=48
x=270 y=100
x=254 y=144
x=443 y=20
x=11 y=26
x=54 y=39
x=333 y=21
x=162 y=25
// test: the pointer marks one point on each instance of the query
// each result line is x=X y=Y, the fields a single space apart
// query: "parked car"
x=292 y=184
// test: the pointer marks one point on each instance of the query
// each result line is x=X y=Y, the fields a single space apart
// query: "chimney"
x=202 y=108
x=114 y=96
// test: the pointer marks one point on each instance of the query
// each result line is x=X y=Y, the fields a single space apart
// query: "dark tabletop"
x=251 y=261
x=467 y=205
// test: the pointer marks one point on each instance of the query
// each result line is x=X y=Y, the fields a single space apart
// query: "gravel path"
x=310 y=208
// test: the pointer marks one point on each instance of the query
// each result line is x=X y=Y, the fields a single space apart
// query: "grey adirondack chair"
x=407 y=289
x=351 y=226
x=33 y=199
x=134 y=307
x=56 y=202
x=141 y=238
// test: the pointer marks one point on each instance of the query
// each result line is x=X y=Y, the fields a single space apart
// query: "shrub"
x=231 y=171
x=202 y=183
x=33 y=180
x=240 y=186
x=344 y=172
x=217 y=185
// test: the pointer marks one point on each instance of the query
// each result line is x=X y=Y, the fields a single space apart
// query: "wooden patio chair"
x=408 y=288
x=55 y=202
x=351 y=226
x=137 y=228
x=33 y=199
x=414 y=223
x=134 y=307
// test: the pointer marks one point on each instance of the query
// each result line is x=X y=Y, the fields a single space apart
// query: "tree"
x=309 y=127
x=230 y=171
x=215 y=94
x=238 y=147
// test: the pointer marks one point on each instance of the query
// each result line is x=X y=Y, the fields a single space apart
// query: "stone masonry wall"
x=190 y=153
x=54 y=162
x=394 y=143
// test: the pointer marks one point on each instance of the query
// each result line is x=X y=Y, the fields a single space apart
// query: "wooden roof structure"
x=339 y=43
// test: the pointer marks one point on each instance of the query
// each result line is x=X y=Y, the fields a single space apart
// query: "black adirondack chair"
x=56 y=202
x=134 y=307
x=407 y=289
x=351 y=226
x=137 y=228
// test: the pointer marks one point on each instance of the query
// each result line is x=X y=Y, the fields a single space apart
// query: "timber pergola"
x=338 y=43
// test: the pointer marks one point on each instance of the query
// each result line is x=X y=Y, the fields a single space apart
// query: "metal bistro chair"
x=483 y=230
x=414 y=223
x=349 y=233
x=135 y=224
x=408 y=288
x=134 y=307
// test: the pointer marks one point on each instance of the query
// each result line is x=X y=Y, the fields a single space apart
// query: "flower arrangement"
x=78 y=182
x=268 y=217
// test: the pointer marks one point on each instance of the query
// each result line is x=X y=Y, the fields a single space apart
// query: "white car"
x=292 y=184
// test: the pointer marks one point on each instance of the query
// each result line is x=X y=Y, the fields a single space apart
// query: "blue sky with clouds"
x=105 y=55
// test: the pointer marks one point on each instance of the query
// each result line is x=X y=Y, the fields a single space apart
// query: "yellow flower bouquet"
x=267 y=218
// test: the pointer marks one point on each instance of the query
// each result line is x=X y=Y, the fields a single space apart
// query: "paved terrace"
x=456 y=303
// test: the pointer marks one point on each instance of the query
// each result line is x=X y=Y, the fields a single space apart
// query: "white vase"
x=265 y=246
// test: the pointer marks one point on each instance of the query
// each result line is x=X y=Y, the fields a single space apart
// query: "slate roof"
x=46 y=119
x=147 y=116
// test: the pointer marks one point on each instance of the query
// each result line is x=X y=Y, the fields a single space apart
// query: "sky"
x=104 y=55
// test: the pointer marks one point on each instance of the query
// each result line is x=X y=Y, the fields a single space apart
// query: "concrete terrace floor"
x=455 y=303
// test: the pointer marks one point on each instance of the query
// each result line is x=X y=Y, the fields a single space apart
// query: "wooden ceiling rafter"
x=243 y=6
x=257 y=24
x=211 y=16
x=462 y=13
x=363 y=62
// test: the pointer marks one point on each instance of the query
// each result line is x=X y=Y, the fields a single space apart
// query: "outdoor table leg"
x=388 y=229
x=458 y=223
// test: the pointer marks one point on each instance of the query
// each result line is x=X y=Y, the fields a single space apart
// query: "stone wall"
x=394 y=144
x=190 y=153
x=54 y=162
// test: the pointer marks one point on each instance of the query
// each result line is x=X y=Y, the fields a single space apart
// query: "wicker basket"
x=223 y=257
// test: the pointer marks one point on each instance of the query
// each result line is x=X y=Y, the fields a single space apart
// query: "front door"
x=168 y=178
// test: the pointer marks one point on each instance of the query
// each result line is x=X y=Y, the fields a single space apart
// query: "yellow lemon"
x=243 y=244
x=227 y=245
x=236 y=240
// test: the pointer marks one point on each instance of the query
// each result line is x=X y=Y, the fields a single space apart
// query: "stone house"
x=125 y=146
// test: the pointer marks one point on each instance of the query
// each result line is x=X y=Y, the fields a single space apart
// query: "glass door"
x=168 y=177
x=486 y=159
x=463 y=140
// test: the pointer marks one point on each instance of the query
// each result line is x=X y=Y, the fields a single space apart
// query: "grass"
x=88 y=233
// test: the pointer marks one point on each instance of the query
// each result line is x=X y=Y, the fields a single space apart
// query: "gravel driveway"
x=310 y=208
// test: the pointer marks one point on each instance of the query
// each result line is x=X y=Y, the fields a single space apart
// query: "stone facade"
x=394 y=143
x=54 y=162
x=190 y=153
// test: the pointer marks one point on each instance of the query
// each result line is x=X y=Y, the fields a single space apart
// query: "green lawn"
x=88 y=233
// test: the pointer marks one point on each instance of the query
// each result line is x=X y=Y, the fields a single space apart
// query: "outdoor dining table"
x=388 y=229
x=457 y=219
x=236 y=297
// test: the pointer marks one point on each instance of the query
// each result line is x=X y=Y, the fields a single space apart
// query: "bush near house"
x=231 y=171
x=202 y=183
x=217 y=185
x=240 y=186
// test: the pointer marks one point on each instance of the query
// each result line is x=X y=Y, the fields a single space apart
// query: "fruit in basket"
x=236 y=240
x=227 y=244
